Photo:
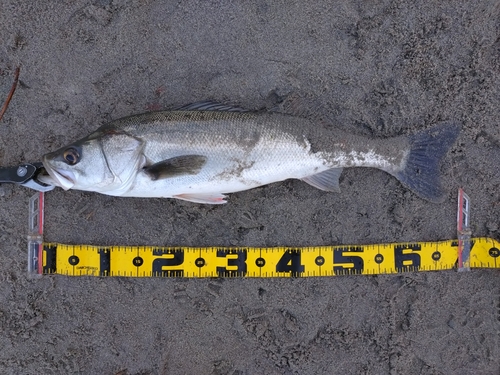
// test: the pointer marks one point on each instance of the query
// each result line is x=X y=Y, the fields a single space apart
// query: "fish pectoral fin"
x=178 y=166
x=327 y=180
x=202 y=198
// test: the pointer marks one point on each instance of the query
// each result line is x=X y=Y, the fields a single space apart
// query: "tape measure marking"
x=148 y=261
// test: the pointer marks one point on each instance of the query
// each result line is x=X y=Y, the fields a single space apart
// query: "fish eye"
x=71 y=156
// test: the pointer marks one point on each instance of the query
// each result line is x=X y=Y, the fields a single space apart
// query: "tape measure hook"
x=464 y=231
x=35 y=234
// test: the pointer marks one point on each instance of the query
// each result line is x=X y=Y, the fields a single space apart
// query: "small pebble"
x=492 y=226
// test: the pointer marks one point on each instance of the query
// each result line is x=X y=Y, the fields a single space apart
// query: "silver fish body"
x=198 y=155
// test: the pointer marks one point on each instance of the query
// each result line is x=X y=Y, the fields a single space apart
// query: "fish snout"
x=57 y=176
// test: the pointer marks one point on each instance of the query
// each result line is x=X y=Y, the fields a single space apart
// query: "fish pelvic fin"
x=202 y=198
x=327 y=180
x=421 y=173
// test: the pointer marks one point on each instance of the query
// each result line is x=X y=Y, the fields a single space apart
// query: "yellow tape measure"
x=147 y=261
x=150 y=261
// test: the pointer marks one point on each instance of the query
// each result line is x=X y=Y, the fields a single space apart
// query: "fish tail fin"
x=427 y=148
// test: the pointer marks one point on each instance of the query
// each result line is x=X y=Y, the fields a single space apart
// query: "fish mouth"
x=57 y=177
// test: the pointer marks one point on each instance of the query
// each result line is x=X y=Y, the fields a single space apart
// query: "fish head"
x=105 y=161
x=80 y=165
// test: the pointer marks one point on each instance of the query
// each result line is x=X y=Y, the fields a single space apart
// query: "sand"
x=380 y=68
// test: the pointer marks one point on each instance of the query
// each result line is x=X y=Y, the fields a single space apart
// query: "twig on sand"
x=11 y=93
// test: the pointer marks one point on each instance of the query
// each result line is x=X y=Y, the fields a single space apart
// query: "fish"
x=203 y=151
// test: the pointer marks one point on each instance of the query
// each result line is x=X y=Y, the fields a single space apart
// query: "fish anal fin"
x=327 y=180
x=177 y=166
x=202 y=198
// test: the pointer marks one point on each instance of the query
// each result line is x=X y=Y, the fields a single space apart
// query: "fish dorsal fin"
x=177 y=166
x=211 y=106
x=327 y=180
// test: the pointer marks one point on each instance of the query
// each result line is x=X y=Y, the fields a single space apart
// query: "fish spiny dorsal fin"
x=211 y=106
